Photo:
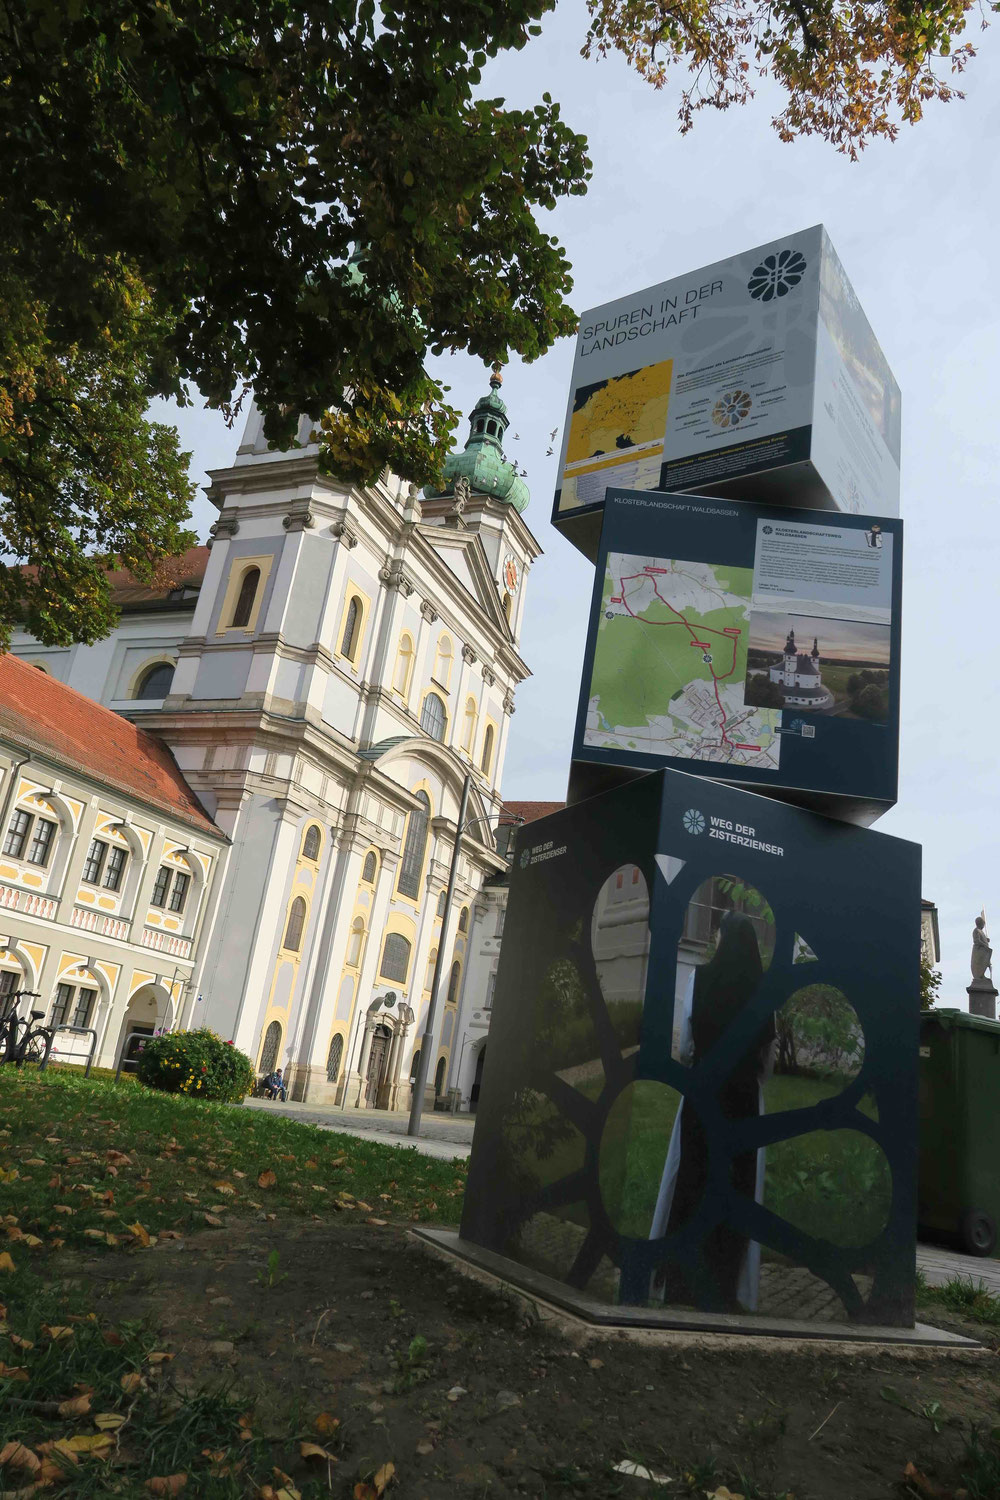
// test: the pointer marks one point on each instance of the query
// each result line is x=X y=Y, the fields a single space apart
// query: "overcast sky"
x=916 y=226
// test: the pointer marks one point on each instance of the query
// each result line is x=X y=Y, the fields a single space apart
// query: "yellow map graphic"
x=632 y=406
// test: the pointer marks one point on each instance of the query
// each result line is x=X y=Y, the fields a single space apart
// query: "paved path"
x=443 y=1136
x=940 y=1266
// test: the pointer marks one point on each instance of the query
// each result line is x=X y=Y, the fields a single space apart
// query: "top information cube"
x=758 y=378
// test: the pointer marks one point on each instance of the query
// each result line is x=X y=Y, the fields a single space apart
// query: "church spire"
x=483 y=462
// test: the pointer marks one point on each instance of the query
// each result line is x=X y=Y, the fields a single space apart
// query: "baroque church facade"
x=326 y=674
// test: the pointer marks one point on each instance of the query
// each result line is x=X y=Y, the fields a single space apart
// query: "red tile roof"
x=528 y=812
x=185 y=571
x=45 y=716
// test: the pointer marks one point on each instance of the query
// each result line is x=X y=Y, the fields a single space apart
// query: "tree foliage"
x=930 y=984
x=852 y=71
x=303 y=198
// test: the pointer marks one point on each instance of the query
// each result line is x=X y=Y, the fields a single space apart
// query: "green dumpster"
x=958 y=1186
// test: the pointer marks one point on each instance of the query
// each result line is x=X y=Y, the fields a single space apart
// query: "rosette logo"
x=776 y=275
x=732 y=408
x=694 y=821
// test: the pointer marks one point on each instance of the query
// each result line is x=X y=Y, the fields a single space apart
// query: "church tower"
x=353 y=657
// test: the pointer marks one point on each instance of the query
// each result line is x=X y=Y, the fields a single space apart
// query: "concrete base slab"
x=599 y=1316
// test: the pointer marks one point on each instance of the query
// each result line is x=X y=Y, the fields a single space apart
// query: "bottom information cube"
x=700 y=1083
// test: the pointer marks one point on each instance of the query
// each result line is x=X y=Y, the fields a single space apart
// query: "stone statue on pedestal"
x=982 y=992
x=982 y=953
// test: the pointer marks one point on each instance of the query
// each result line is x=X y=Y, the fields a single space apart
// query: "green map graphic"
x=670 y=663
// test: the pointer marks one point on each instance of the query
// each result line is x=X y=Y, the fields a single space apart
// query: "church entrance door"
x=377 y=1061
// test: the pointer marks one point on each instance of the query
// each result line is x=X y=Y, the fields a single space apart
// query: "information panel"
x=757 y=377
x=701 y=1084
x=751 y=643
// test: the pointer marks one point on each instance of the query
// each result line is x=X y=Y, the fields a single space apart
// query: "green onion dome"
x=482 y=462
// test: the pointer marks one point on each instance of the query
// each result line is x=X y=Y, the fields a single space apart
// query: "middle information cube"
x=747 y=643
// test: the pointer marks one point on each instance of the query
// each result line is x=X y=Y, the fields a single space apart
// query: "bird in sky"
x=552 y=434
x=549 y=452
x=517 y=437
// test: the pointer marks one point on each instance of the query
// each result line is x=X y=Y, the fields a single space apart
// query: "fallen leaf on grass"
x=17 y=1456
x=57 y=1332
x=267 y=1179
x=109 y=1421
x=924 y=1486
x=424 y=1447
x=223 y=1187
x=213 y=1219
x=168 y=1484
x=723 y=1494
x=19 y=1342
x=313 y=1450
x=76 y=1406
x=365 y=1492
x=383 y=1477
x=379 y=1223
x=325 y=1423
x=62 y=1208
x=457 y=1392
x=13 y=1372
x=131 y=1382
x=6 y=1263
x=158 y=1358
x=140 y=1234
x=94 y=1443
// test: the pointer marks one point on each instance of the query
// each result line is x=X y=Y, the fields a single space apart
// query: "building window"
x=404 y=661
x=453 y=980
x=431 y=961
x=370 y=868
x=245 y=599
x=415 y=1065
x=487 y=760
x=333 y=1058
x=442 y=903
x=354 y=942
x=94 y=862
x=463 y=919
x=61 y=1004
x=351 y=637
x=439 y=1076
x=41 y=842
x=269 y=1050
x=442 y=662
x=395 y=958
x=41 y=831
x=161 y=886
x=433 y=717
x=85 y=1002
x=491 y=984
x=157 y=682
x=17 y=834
x=469 y=726
x=9 y=981
x=501 y=919
x=414 y=848
x=311 y=842
x=296 y=922
x=178 y=896
x=507 y=601
x=114 y=868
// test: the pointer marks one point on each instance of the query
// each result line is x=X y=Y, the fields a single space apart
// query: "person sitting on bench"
x=274 y=1086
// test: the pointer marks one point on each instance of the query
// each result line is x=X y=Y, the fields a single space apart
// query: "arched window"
x=439 y=1076
x=463 y=919
x=487 y=760
x=507 y=601
x=155 y=683
x=296 y=922
x=333 y=1058
x=350 y=640
x=312 y=841
x=245 y=598
x=433 y=717
x=442 y=903
x=395 y=958
x=370 y=868
x=269 y=1051
x=453 y=980
x=469 y=726
x=411 y=866
x=355 y=941
x=415 y=1065
x=491 y=428
x=480 y=425
x=442 y=661
x=404 y=661
x=429 y=975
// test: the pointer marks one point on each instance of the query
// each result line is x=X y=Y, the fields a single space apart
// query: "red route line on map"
x=730 y=632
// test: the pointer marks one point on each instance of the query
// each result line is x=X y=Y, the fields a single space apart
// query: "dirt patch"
x=431 y=1371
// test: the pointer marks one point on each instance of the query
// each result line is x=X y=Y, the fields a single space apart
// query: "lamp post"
x=427 y=1037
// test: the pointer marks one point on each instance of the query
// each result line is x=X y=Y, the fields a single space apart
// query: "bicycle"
x=21 y=1039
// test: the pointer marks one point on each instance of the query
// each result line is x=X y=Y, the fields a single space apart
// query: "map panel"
x=616 y=433
x=670 y=663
